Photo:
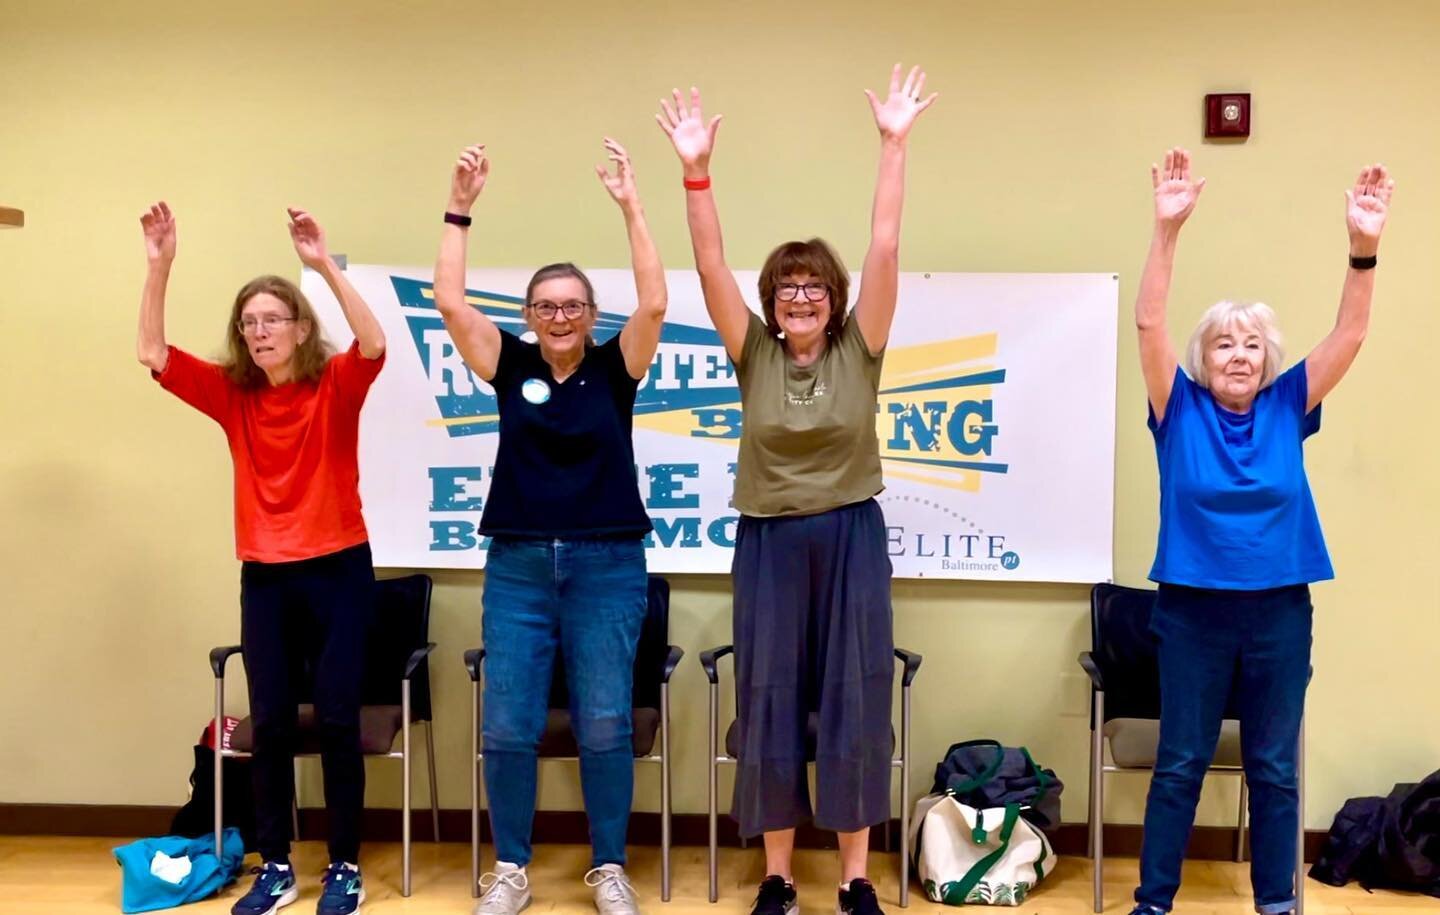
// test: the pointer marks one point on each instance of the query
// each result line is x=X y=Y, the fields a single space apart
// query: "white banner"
x=996 y=423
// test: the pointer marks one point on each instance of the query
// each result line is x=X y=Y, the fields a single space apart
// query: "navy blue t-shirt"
x=565 y=465
x=1235 y=504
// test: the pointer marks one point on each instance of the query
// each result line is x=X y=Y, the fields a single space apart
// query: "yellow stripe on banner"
x=478 y=300
x=924 y=362
x=463 y=420
x=968 y=481
x=682 y=423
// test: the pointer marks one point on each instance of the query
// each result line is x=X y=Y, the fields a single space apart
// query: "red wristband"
x=697 y=184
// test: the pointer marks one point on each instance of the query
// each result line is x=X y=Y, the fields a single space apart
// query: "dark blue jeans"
x=587 y=599
x=1256 y=644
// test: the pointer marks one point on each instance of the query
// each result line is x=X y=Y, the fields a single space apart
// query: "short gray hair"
x=1258 y=316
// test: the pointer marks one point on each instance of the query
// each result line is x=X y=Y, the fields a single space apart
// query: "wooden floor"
x=79 y=877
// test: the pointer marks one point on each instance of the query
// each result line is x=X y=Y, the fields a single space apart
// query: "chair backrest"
x=402 y=624
x=1126 y=651
x=649 y=654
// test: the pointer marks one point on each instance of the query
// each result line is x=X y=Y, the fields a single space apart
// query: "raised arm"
x=694 y=140
x=475 y=335
x=309 y=240
x=1175 y=196
x=880 y=277
x=641 y=334
x=159 y=227
x=1366 y=206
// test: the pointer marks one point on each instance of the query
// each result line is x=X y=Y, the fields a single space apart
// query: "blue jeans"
x=586 y=598
x=1256 y=644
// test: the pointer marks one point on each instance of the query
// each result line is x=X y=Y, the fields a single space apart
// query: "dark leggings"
x=312 y=614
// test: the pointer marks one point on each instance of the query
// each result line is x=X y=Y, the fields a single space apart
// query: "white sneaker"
x=613 y=893
x=503 y=891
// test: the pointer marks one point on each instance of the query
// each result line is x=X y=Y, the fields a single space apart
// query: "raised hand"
x=468 y=179
x=1175 y=191
x=621 y=185
x=308 y=238
x=159 y=227
x=896 y=115
x=1366 y=206
x=685 y=125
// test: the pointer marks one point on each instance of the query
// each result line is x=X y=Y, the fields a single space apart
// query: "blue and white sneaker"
x=342 y=890
x=274 y=887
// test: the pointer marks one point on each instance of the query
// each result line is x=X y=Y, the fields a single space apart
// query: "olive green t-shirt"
x=808 y=441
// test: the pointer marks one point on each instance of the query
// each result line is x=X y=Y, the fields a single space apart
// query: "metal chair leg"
x=714 y=786
x=219 y=737
x=904 y=797
x=405 y=787
x=1097 y=800
x=1240 y=820
x=475 y=790
x=430 y=759
x=1300 y=823
x=295 y=799
x=664 y=792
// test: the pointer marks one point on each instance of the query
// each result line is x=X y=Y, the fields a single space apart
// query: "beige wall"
x=116 y=534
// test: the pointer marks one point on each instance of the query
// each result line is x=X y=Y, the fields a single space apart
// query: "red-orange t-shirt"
x=297 y=475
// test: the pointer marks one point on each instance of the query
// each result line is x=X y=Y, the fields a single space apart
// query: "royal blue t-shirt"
x=565 y=464
x=1235 y=505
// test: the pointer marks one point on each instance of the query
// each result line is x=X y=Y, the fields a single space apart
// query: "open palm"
x=684 y=123
x=1368 y=203
x=1176 y=192
x=896 y=115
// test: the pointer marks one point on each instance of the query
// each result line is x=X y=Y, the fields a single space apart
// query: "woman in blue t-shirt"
x=566 y=564
x=1239 y=538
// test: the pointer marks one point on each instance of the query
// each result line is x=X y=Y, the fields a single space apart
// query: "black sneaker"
x=859 y=899
x=1147 y=910
x=274 y=886
x=776 y=897
x=342 y=890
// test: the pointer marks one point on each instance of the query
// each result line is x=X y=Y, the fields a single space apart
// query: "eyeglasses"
x=546 y=311
x=790 y=292
x=250 y=326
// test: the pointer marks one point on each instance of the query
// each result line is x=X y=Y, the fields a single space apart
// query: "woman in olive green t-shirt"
x=813 y=645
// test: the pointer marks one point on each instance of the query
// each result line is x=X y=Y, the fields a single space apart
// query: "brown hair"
x=310 y=356
x=557 y=271
x=816 y=258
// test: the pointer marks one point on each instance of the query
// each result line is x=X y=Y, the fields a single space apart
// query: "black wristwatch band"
x=1363 y=263
x=455 y=219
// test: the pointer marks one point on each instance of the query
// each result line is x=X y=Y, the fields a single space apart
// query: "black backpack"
x=1349 y=852
x=1391 y=842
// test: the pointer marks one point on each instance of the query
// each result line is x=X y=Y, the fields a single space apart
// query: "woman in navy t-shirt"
x=1239 y=540
x=566 y=565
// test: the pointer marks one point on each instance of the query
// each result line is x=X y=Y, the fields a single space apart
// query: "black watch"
x=1363 y=263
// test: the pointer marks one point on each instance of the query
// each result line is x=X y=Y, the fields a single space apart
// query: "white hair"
x=1220 y=317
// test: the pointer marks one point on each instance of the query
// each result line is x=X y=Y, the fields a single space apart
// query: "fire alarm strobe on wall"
x=1227 y=115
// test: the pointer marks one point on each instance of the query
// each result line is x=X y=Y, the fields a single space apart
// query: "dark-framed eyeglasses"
x=790 y=292
x=546 y=311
